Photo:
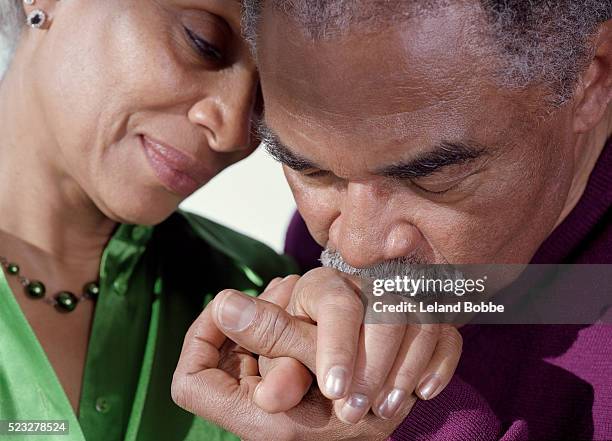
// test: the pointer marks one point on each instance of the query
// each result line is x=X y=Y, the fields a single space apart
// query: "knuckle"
x=274 y=331
x=341 y=303
x=292 y=278
x=179 y=391
x=367 y=382
x=385 y=334
x=222 y=294
x=275 y=281
x=320 y=273
x=329 y=277
x=429 y=331
x=451 y=340
x=339 y=354
x=407 y=375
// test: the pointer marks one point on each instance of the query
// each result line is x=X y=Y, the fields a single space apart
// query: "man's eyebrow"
x=281 y=152
x=444 y=154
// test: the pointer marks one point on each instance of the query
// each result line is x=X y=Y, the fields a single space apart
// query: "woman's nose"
x=227 y=114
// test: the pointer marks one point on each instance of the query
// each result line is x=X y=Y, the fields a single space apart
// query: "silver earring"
x=36 y=18
x=29 y=2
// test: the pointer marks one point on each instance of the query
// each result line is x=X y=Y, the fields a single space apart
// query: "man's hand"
x=379 y=364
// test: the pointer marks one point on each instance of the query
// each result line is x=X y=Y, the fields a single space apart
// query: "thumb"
x=264 y=328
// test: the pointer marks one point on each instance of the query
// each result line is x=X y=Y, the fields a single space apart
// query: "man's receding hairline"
x=544 y=41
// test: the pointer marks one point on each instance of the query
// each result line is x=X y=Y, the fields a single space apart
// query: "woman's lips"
x=176 y=171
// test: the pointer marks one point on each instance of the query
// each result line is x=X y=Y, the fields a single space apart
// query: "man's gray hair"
x=12 y=19
x=541 y=41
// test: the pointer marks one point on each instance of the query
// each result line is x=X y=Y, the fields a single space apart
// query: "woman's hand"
x=382 y=363
x=359 y=366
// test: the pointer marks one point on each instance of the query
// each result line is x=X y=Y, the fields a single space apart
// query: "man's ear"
x=594 y=91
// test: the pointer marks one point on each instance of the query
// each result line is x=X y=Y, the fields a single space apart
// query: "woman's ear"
x=594 y=91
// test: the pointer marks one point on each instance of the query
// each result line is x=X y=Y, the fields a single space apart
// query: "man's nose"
x=226 y=112
x=367 y=231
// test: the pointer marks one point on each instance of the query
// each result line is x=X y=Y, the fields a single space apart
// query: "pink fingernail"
x=335 y=382
x=392 y=403
x=355 y=408
x=429 y=386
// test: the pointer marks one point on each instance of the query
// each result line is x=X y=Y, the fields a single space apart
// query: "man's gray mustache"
x=410 y=266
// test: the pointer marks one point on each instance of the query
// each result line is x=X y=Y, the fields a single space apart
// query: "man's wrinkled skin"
x=347 y=115
x=361 y=103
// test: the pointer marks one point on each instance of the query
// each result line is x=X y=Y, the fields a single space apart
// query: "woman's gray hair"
x=12 y=19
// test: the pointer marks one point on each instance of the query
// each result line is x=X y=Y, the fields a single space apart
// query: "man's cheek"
x=316 y=209
x=318 y=220
x=457 y=237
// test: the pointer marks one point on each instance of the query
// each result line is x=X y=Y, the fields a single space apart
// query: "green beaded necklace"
x=63 y=301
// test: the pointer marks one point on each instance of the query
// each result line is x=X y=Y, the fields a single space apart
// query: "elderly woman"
x=111 y=114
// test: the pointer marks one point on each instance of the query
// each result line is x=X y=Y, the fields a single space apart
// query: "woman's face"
x=146 y=100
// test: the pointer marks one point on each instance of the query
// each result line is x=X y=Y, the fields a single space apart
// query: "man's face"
x=401 y=144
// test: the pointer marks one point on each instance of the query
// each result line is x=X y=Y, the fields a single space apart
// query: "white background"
x=251 y=197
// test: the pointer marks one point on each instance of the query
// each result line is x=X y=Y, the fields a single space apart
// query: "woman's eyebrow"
x=444 y=154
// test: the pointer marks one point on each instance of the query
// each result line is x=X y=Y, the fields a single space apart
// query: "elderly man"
x=456 y=132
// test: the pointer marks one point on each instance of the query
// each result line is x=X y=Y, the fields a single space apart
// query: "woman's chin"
x=141 y=208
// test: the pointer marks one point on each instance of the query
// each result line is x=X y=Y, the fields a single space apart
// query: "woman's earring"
x=29 y=2
x=36 y=18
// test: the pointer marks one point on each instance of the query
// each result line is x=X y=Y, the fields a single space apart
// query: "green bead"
x=92 y=290
x=66 y=301
x=35 y=289
x=13 y=269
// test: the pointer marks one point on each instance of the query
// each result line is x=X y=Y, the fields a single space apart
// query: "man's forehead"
x=411 y=67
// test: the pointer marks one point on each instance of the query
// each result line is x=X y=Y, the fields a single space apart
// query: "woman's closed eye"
x=204 y=48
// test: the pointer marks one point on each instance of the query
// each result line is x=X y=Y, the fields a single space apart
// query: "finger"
x=378 y=348
x=201 y=344
x=413 y=357
x=279 y=291
x=264 y=328
x=237 y=361
x=332 y=300
x=273 y=283
x=442 y=365
x=285 y=381
x=283 y=385
x=201 y=388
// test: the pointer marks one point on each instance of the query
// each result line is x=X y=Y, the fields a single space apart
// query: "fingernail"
x=236 y=312
x=429 y=386
x=335 y=382
x=354 y=408
x=392 y=403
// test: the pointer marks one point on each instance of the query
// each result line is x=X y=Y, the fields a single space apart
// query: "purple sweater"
x=525 y=382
